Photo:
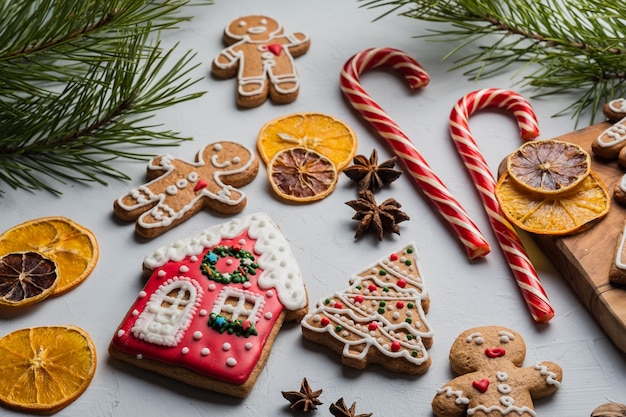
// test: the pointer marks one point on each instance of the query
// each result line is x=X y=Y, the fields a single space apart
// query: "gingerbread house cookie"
x=213 y=305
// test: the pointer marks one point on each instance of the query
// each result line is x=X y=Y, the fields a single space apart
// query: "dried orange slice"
x=71 y=246
x=26 y=278
x=302 y=175
x=319 y=132
x=43 y=369
x=554 y=214
x=549 y=166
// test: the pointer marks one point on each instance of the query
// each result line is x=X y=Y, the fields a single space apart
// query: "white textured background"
x=463 y=294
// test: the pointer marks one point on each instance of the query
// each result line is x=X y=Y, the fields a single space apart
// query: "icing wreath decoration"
x=241 y=274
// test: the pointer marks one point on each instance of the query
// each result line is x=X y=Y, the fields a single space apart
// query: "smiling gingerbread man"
x=492 y=382
x=261 y=56
x=178 y=188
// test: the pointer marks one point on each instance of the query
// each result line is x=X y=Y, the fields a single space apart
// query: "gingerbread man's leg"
x=284 y=82
x=137 y=201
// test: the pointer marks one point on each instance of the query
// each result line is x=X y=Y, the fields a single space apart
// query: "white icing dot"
x=236 y=160
x=142 y=294
x=171 y=190
x=269 y=293
x=268 y=315
x=193 y=176
x=135 y=313
x=139 y=356
x=396 y=315
x=231 y=362
x=203 y=313
x=226 y=347
x=345 y=334
x=184 y=350
x=205 y=351
x=249 y=346
x=193 y=258
x=229 y=262
x=317 y=318
x=197 y=335
x=217 y=147
x=183 y=269
x=212 y=287
x=247 y=284
x=120 y=333
x=161 y=273
x=181 y=183
x=242 y=242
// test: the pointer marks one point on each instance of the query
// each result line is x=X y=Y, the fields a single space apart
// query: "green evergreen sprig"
x=80 y=82
x=573 y=47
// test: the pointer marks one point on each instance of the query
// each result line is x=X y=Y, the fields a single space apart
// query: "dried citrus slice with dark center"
x=319 y=132
x=549 y=166
x=554 y=214
x=71 y=246
x=26 y=278
x=43 y=369
x=302 y=175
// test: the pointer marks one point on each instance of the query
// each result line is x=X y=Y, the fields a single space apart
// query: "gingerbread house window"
x=169 y=312
x=236 y=311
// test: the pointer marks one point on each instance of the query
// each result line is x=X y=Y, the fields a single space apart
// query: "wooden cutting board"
x=584 y=259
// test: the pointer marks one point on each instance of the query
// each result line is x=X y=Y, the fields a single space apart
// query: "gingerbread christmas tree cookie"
x=379 y=318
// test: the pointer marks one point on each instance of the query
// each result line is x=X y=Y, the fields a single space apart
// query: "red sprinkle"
x=395 y=346
x=372 y=326
x=400 y=304
x=372 y=287
x=393 y=257
x=358 y=299
x=401 y=283
x=337 y=305
x=325 y=321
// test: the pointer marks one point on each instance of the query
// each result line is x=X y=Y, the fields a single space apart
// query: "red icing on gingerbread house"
x=212 y=305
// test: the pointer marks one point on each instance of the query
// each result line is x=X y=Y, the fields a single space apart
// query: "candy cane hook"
x=510 y=243
x=449 y=208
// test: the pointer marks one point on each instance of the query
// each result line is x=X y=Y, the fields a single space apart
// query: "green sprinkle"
x=382 y=272
x=381 y=310
x=409 y=320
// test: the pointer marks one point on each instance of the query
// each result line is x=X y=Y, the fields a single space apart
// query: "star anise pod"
x=369 y=174
x=376 y=218
x=305 y=400
x=340 y=409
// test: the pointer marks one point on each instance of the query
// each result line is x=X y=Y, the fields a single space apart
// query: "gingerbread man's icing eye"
x=505 y=337
x=476 y=337
x=236 y=160
x=242 y=23
x=264 y=21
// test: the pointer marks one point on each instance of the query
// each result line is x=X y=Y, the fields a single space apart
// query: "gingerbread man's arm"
x=451 y=399
x=226 y=64
x=543 y=379
x=296 y=43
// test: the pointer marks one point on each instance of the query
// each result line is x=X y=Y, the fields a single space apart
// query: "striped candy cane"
x=449 y=208
x=512 y=247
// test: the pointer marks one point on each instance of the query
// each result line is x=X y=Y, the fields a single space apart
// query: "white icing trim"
x=615 y=133
x=620 y=250
x=617 y=105
x=449 y=392
x=280 y=268
x=550 y=376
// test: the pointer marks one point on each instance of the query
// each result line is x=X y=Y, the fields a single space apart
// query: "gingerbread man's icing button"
x=178 y=188
x=262 y=57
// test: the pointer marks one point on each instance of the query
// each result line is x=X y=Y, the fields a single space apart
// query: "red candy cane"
x=512 y=247
x=420 y=171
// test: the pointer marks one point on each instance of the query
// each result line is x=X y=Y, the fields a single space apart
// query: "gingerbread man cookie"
x=492 y=382
x=261 y=56
x=178 y=189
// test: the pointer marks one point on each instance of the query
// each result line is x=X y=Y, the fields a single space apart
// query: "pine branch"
x=81 y=81
x=574 y=48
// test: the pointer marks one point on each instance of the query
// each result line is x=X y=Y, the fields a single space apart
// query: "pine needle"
x=576 y=46
x=80 y=81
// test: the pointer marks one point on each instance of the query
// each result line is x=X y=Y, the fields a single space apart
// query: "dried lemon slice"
x=319 y=132
x=71 y=246
x=554 y=214
x=549 y=166
x=43 y=369
x=26 y=278
x=302 y=175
